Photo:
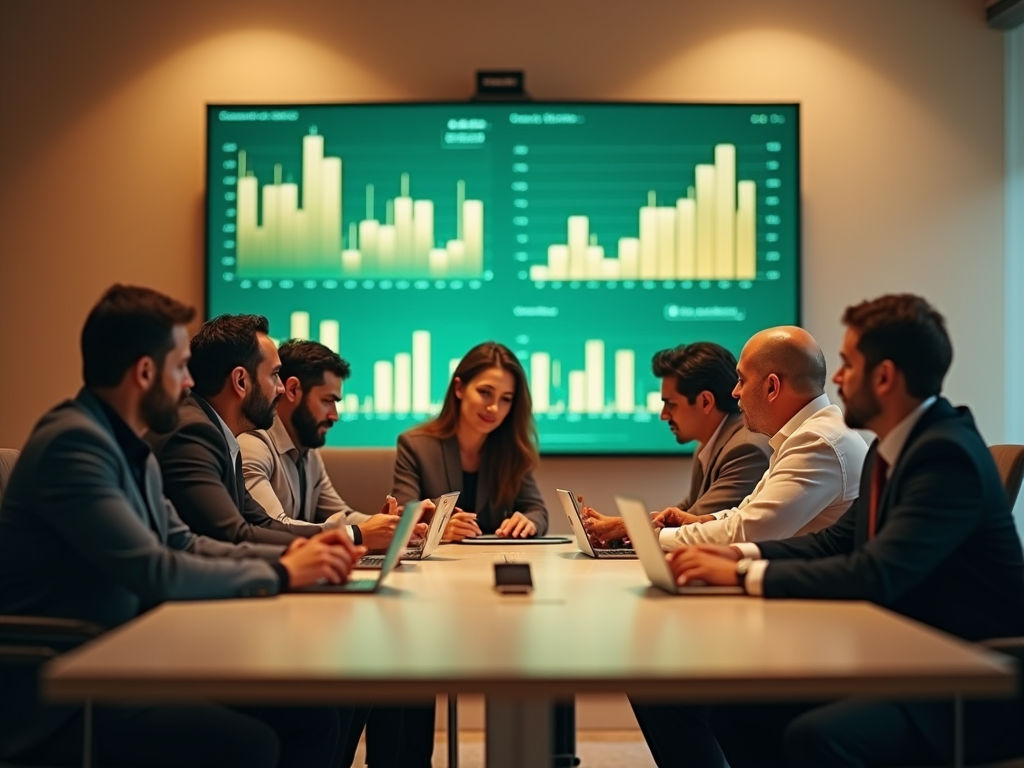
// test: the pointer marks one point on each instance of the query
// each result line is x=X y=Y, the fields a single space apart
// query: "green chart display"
x=583 y=236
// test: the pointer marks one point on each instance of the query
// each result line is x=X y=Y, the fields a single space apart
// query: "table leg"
x=453 y=730
x=88 y=748
x=518 y=733
x=958 y=732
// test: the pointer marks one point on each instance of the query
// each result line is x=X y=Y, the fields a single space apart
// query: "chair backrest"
x=7 y=458
x=362 y=476
x=1010 y=461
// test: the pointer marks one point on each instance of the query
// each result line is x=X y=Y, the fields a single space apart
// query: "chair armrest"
x=45 y=630
x=1011 y=646
x=20 y=655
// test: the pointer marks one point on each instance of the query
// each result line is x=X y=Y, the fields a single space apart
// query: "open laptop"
x=430 y=541
x=572 y=511
x=403 y=533
x=648 y=548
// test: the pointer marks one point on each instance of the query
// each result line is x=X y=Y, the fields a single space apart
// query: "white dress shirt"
x=889 y=449
x=813 y=477
x=272 y=478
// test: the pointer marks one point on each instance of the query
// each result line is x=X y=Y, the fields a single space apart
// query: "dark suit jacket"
x=200 y=478
x=427 y=467
x=946 y=551
x=79 y=539
x=737 y=462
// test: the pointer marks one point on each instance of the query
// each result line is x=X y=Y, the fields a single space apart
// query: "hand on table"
x=519 y=526
x=713 y=564
x=673 y=517
x=462 y=525
x=328 y=556
x=602 y=530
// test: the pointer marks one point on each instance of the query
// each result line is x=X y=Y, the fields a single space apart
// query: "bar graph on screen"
x=403 y=384
x=704 y=224
x=285 y=229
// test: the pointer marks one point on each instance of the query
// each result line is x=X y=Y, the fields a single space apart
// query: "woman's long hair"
x=510 y=451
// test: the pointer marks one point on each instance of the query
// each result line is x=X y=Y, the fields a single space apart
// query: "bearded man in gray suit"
x=86 y=533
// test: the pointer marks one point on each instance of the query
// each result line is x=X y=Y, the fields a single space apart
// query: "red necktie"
x=877 y=484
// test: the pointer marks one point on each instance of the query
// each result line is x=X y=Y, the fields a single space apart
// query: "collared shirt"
x=891 y=446
x=135 y=449
x=705 y=450
x=889 y=449
x=233 y=447
x=813 y=477
x=270 y=467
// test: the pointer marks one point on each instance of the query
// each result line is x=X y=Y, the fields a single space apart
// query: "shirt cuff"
x=720 y=515
x=748 y=549
x=282 y=576
x=754 y=583
x=667 y=539
x=355 y=534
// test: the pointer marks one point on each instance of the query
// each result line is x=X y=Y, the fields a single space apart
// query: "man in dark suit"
x=931 y=537
x=236 y=368
x=86 y=533
x=697 y=381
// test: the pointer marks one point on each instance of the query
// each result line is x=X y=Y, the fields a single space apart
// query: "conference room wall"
x=102 y=154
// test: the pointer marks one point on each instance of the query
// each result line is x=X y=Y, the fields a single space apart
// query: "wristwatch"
x=742 y=567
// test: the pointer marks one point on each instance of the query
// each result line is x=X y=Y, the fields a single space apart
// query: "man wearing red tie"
x=931 y=537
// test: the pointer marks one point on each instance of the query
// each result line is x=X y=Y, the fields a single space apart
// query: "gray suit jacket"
x=427 y=467
x=201 y=480
x=738 y=459
x=79 y=539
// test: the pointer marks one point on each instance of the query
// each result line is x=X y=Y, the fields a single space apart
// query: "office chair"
x=1010 y=463
x=35 y=640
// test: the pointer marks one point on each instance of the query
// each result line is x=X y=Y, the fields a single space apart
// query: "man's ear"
x=144 y=373
x=706 y=401
x=773 y=386
x=293 y=389
x=239 y=380
x=884 y=377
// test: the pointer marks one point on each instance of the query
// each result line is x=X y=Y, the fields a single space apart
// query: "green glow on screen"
x=585 y=237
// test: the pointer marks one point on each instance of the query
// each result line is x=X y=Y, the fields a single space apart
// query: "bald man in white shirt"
x=814 y=471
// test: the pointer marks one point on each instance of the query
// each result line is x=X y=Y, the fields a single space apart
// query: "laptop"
x=652 y=557
x=430 y=541
x=403 y=533
x=572 y=511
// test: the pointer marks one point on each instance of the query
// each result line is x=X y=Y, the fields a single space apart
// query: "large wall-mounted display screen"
x=584 y=236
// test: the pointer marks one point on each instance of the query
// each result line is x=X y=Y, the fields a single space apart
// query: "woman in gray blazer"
x=484 y=444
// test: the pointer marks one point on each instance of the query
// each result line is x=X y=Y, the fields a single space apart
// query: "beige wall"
x=101 y=135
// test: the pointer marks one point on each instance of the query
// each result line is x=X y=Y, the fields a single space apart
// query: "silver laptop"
x=648 y=548
x=572 y=511
x=430 y=541
x=398 y=544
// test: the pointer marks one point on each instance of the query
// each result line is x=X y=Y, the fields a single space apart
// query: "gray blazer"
x=79 y=539
x=427 y=467
x=738 y=459
x=207 y=488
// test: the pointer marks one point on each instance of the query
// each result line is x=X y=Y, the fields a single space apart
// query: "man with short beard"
x=86 y=533
x=283 y=470
x=236 y=369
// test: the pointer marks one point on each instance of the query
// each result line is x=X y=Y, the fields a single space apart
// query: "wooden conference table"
x=588 y=627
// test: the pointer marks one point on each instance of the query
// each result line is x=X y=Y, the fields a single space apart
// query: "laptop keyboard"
x=375 y=561
x=617 y=552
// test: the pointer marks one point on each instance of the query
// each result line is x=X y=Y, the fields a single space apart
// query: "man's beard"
x=307 y=429
x=861 y=408
x=259 y=410
x=159 y=410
